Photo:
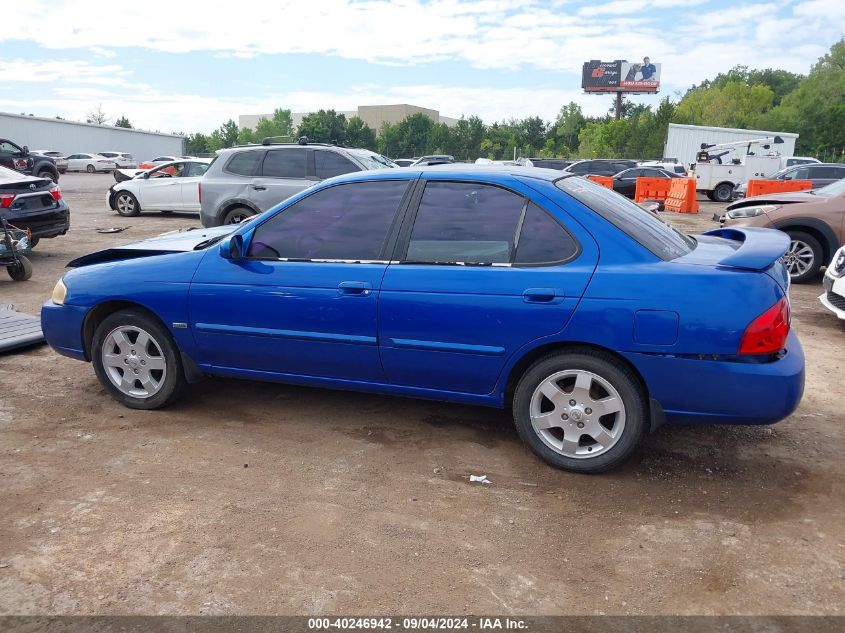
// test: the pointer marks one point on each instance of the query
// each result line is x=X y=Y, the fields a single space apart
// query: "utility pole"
x=618 y=105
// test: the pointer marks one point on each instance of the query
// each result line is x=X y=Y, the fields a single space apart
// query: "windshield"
x=371 y=160
x=831 y=190
x=643 y=226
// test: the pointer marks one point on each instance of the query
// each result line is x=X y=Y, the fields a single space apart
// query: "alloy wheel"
x=134 y=362
x=125 y=204
x=799 y=258
x=577 y=413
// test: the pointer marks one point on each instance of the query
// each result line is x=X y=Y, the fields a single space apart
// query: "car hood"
x=777 y=198
x=173 y=242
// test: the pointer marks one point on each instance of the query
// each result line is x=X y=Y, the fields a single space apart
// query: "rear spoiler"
x=759 y=248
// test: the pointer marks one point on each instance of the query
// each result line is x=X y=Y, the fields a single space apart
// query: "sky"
x=189 y=66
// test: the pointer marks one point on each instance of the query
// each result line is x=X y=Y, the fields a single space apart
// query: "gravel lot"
x=267 y=499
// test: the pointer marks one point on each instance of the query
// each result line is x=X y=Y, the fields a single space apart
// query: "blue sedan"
x=508 y=287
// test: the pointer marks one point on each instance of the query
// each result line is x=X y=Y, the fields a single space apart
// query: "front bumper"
x=62 y=328
x=697 y=391
x=833 y=297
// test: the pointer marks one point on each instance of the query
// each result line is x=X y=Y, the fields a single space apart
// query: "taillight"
x=767 y=333
x=6 y=200
x=56 y=192
x=199 y=190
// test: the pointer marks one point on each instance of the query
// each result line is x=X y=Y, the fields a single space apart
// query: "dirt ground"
x=252 y=498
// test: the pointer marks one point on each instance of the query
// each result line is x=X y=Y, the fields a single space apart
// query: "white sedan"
x=170 y=187
x=833 y=297
x=89 y=163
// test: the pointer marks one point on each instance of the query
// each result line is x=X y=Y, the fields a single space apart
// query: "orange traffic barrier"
x=681 y=197
x=604 y=181
x=652 y=189
x=762 y=187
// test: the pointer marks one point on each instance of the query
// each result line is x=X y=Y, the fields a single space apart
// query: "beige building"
x=372 y=115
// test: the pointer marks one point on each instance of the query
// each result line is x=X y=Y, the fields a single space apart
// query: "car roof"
x=457 y=171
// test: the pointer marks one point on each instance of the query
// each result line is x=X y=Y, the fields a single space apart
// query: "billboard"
x=620 y=76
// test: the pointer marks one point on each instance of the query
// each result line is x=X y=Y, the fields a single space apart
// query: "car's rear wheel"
x=20 y=271
x=33 y=242
x=126 y=204
x=237 y=215
x=723 y=192
x=579 y=411
x=137 y=360
x=90 y=169
x=804 y=257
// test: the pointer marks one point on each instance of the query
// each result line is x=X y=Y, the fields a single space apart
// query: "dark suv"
x=13 y=156
x=600 y=166
x=244 y=181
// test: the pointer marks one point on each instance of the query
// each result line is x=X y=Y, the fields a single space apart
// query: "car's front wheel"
x=580 y=411
x=804 y=257
x=126 y=204
x=137 y=360
x=47 y=175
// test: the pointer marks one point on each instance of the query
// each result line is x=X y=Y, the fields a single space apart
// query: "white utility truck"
x=722 y=166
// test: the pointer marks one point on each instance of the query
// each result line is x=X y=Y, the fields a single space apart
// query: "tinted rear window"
x=641 y=225
x=244 y=163
x=285 y=163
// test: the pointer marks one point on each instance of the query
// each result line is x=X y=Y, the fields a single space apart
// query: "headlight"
x=59 y=293
x=837 y=267
x=750 y=212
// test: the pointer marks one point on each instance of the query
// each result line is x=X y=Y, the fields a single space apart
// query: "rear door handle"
x=259 y=187
x=543 y=295
x=355 y=288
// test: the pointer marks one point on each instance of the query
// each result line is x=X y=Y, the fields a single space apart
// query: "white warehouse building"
x=71 y=137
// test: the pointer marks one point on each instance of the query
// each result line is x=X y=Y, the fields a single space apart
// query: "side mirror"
x=26 y=149
x=146 y=175
x=232 y=248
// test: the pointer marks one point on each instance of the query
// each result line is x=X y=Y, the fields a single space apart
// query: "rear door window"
x=285 y=163
x=244 y=163
x=329 y=164
x=463 y=222
x=542 y=240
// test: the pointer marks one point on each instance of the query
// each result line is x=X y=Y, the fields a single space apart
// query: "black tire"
x=90 y=169
x=126 y=204
x=709 y=195
x=796 y=238
x=605 y=367
x=34 y=242
x=237 y=215
x=48 y=175
x=723 y=192
x=173 y=382
x=20 y=271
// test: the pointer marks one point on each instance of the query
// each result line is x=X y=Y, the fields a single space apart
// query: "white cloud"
x=486 y=34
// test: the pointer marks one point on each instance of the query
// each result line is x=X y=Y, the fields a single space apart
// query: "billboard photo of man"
x=647 y=69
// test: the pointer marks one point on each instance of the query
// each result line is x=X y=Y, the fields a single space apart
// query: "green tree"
x=359 y=134
x=816 y=108
x=122 y=121
x=564 y=133
x=279 y=125
x=324 y=126
x=197 y=143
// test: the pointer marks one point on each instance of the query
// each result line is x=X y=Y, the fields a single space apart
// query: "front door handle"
x=355 y=288
x=259 y=187
x=543 y=295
